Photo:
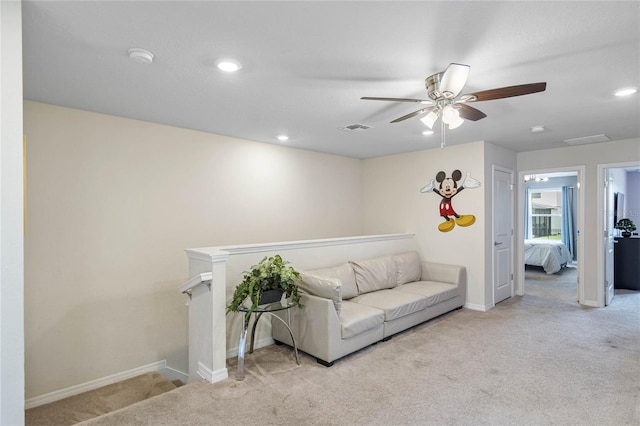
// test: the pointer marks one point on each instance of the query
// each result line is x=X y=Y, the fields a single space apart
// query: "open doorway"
x=550 y=219
x=618 y=199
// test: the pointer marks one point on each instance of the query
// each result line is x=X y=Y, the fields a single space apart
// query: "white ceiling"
x=306 y=65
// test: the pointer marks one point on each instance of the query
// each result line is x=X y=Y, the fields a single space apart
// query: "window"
x=545 y=214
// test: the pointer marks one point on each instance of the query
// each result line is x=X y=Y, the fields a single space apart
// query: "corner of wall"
x=12 y=216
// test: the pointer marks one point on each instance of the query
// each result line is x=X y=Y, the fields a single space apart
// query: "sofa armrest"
x=445 y=273
x=316 y=328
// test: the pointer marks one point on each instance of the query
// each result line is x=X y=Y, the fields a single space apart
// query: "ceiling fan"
x=444 y=87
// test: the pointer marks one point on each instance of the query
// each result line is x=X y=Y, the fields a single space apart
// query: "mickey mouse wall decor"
x=447 y=189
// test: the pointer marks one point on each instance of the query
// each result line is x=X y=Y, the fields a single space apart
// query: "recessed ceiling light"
x=427 y=132
x=537 y=129
x=626 y=91
x=228 y=65
x=141 y=55
x=283 y=138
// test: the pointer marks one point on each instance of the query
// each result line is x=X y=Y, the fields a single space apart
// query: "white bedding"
x=550 y=254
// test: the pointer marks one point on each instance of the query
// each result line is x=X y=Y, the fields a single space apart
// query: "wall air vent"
x=355 y=127
x=587 y=139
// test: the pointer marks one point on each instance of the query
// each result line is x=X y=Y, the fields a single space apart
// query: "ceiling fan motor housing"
x=432 y=83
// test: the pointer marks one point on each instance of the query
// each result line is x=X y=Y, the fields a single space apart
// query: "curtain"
x=568 y=220
x=527 y=213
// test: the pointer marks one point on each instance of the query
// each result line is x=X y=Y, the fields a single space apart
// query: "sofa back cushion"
x=344 y=273
x=329 y=288
x=409 y=267
x=375 y=274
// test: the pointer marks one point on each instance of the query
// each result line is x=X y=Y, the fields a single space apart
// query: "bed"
x=551 y=255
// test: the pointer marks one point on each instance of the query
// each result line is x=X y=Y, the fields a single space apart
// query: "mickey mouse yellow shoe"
x=466 y=220
x=446 y=226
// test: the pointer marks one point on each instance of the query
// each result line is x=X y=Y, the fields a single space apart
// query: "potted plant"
x=270 y=274
x=626 y=225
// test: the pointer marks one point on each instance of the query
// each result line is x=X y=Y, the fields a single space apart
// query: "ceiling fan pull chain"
x=442 y=126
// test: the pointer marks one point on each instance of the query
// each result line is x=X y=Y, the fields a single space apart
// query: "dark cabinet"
x=626 y=263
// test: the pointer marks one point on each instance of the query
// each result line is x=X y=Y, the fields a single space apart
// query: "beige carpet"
x=540 y=359
x=99 y=401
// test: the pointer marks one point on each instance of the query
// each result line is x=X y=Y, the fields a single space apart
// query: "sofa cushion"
x=433 y=291
x=375 y=274
x=329 y=288
x=344 y=273
x=395 y=304
x=409 y=267
x=356 y=319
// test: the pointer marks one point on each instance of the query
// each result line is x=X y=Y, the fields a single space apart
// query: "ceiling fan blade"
x=420 y=101
x=454 y=79
x=413 y=114
x=505 y=92
x=470 y=113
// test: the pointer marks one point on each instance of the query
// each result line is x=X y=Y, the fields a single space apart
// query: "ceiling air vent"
x=355 y=127
x=587 y=139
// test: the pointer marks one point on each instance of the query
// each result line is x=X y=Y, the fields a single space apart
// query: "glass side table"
x=271 y=309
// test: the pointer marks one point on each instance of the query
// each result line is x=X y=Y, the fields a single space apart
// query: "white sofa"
x=358 y=303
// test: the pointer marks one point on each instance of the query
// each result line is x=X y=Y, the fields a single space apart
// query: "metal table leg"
x=293 y=340
x=241 y=348
x=253 y=331
x=243 y=339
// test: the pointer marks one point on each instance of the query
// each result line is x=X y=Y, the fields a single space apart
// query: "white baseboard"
x=172 y=374
x=160 y=366
x=474 y=307
x=210 y=375
x=591 y=303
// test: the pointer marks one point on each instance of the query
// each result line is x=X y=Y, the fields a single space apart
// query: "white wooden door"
x=608 y=239
x=502 y=234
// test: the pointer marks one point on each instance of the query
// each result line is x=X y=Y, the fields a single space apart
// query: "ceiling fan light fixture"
x=450 y=114
x=430 y=119
x=455 y=123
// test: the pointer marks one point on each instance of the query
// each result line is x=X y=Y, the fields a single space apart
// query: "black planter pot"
x=270 y=296
x=626 y=234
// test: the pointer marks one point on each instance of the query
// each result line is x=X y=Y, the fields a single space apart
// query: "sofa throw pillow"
x=329 y=288
x=375 y=274
x=409 y=267
x=344 y=273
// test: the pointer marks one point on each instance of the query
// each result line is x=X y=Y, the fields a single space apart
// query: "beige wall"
x=589 y=156
x=392 y=202
x=113 y=203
